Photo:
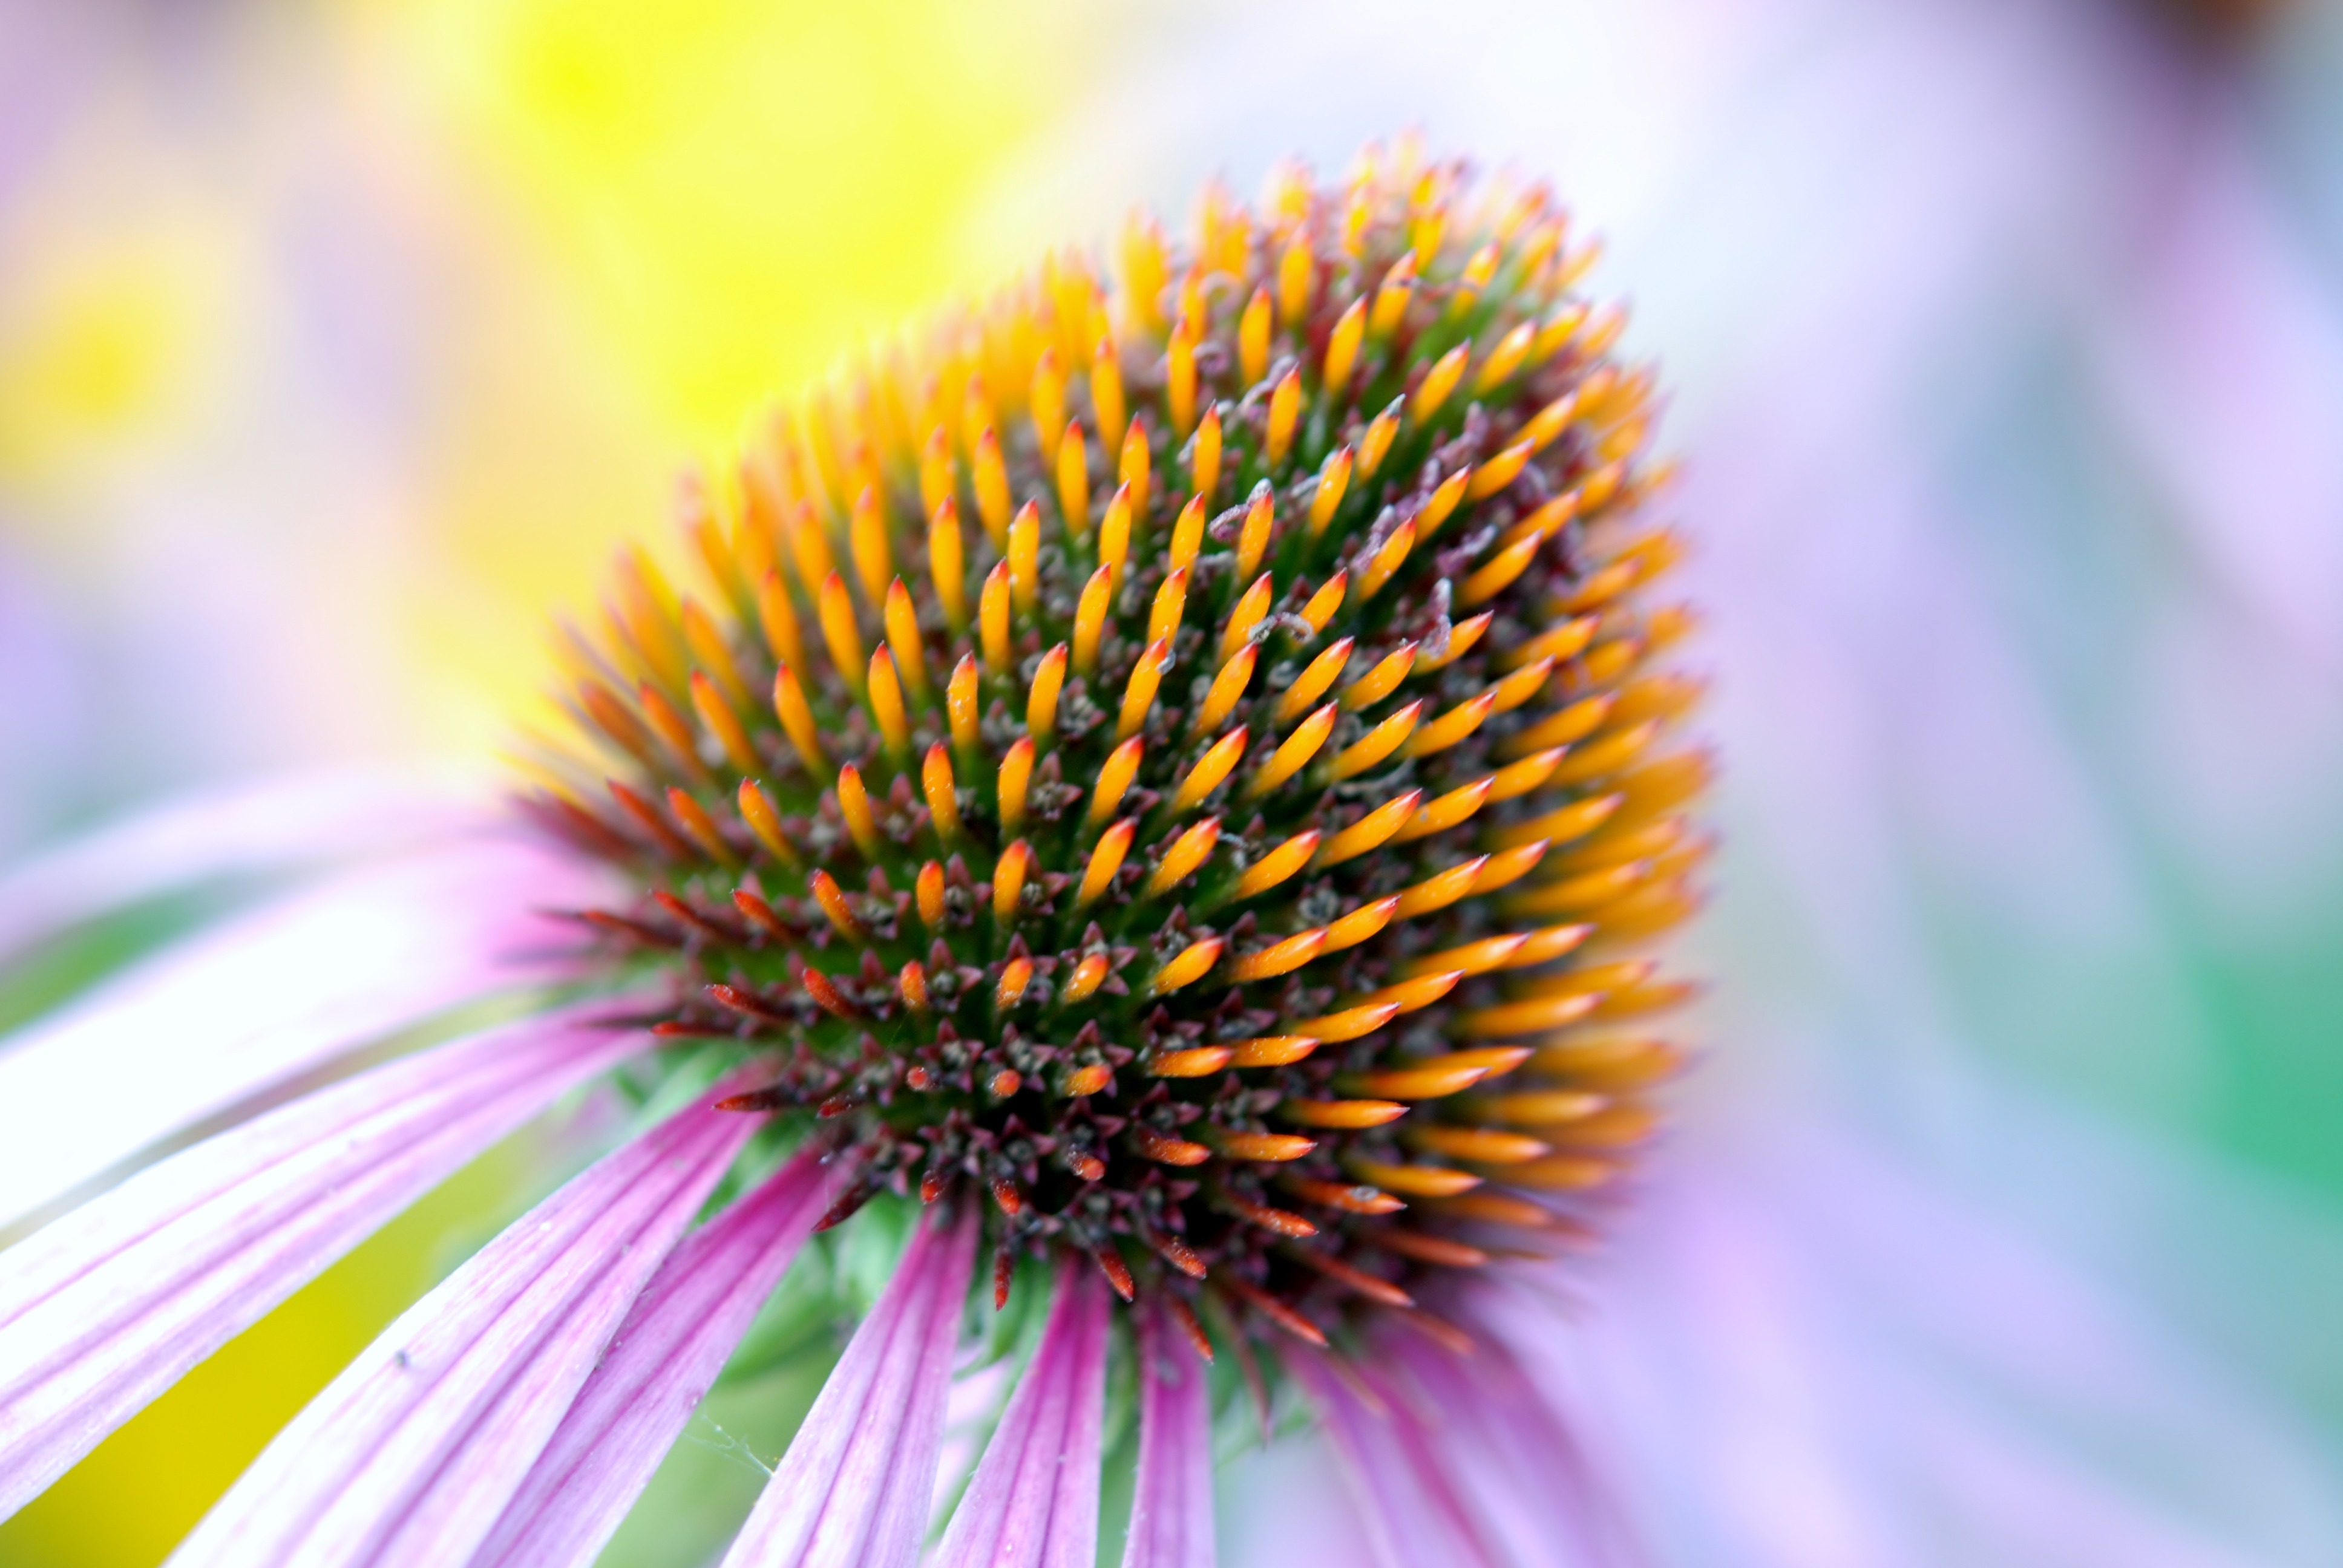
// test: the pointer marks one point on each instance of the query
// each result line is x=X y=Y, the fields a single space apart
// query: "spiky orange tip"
x=1186 y=762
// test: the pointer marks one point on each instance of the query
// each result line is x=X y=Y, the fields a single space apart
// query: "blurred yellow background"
x=470 y=284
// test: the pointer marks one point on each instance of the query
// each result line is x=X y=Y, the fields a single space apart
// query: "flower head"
x=1152 y=763
x=1167 y=783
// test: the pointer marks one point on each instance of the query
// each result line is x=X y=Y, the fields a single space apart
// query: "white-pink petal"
x=853 y=1490
x=108 y=1307
x=250 y=1006
x=1411 y=1515
x=1033 y=1501
x=411 y=1454
x=658 y=1366
x=239 y=829
x=1171 y=1504
x=1504 y=1452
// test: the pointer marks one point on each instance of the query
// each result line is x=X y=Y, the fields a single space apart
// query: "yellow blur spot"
x=689 y=206
x=746 y=190
x=89 y=366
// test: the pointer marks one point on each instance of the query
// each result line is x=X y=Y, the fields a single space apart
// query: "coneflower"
x=1167 y=785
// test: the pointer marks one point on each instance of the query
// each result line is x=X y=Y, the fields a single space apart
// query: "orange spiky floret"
x=1132 y=724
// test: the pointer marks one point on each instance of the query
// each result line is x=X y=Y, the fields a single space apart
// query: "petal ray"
x=251 y=1005
x=659 y=1364
x=410 y=1455
x=1410 y=1513
x=853 y=1490
x=1033 y=1501
x=1172 y=1506
x=107 y=1308
x=1506 y=1453
x=239 y=829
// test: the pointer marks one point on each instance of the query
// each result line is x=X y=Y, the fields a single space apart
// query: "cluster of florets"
x=1184 y=766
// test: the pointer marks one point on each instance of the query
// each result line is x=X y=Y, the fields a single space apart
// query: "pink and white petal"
x=1504 y=1451
x=412 y=1454
x=1033 y=1501
x=1172 y=1504
x=658 y=1366
x=250 y=1006
x=1410 y=1513
x=853 y=1490
x=241 y=829
x=107 y=1308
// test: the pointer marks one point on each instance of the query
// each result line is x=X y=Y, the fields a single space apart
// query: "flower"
x=1168 y=790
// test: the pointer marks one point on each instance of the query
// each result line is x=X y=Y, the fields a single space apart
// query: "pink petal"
x=1172 y=1506
x=1033 y=1501
x=1504 y=1452
x=412 y=1454
x=659 y=1364
x=107 y=1308
x=252 y=1005
x=240 y=830
x=1411 y=1515
x=853 y=1490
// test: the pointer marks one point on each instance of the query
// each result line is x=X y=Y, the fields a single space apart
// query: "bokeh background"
x=339 y=341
